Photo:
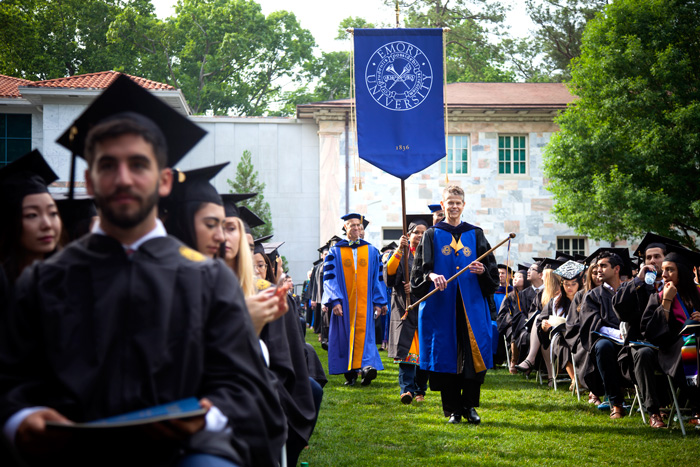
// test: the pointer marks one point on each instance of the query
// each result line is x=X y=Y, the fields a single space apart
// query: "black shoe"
x=324 y=345
x=472 y=416
x=350 y=382
x=368 y=374
x=525 y=367
x=455 y=419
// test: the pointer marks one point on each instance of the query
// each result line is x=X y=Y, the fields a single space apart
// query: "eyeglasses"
x=260 y=266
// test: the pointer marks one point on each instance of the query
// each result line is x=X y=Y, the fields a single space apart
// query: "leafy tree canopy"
x=225 y=55
x=627 y=158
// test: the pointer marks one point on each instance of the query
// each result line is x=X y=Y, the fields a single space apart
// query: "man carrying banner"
x=454 y=325
x=353 y=290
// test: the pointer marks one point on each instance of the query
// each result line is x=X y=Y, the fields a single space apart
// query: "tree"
x=225 y=55
x=470 y=55
x=247 y=182
x=44 y=39
x=627 y=157
x=557 y=39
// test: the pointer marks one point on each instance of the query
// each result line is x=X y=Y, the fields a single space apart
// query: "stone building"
x=497 y=132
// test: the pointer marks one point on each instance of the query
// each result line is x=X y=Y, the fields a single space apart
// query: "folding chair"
x=505 y=342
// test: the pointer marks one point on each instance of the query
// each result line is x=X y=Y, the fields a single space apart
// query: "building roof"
x=480 y=96
x=100 y=80
x=9 y=84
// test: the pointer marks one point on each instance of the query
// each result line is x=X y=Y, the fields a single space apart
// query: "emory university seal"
x=398 y=76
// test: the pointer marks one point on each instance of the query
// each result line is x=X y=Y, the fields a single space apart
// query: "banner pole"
x=407 y=248
x=512 y=235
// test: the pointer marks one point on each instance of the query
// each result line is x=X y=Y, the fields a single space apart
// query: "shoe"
x=550 y=383
x=525 y=367
x=617 y=412
x=572 y=386
x=655 y=421
x=593 y=399
x=324 y=345
x=695 y=419
x=368 y=374
x=472 y=416
x=512 y=370
x=349 y=382
x=406 y=398
x=455 y=419
x=419 y=398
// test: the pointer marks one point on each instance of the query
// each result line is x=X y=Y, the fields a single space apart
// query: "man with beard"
x=127 y=318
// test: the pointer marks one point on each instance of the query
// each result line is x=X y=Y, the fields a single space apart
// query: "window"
x=392 y=234
x=15 y=136
x=512 y=155
x=457 y=155
x=572 y=245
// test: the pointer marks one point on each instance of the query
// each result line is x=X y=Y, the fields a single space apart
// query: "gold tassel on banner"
x=444 y=97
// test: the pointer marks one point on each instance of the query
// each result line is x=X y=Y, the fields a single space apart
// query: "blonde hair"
x=453 y=190
x=552 y=285
x=243 y=262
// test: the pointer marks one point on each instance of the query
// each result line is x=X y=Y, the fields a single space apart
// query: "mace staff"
x=413 y=306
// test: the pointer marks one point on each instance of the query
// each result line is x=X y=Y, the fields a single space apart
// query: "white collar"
x=158 y=231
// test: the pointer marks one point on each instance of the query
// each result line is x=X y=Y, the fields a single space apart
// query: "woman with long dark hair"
x=31 y=225
x=510 y=307
x=666 y=315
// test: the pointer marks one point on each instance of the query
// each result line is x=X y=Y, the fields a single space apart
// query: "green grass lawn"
x=523 y=423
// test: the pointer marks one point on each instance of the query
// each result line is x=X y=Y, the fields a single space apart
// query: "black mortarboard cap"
x=125 y=96
x=272 y=247
x=415 y=219
x=317 y=262
x=230 y=200
x=678 y=253
x=28 y=175
x=249 y=217
x=507 y=268
x=261 y=240
x=623 y=253
x=561 y=256
x=570 y=270
x=76 y=214
x=524 y=267
x=652 y=240
x=549 y=263
x=390 y=246
x=580 y=258
x=195 y=185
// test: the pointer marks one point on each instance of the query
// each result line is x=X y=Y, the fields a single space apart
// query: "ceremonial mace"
x=512 y=235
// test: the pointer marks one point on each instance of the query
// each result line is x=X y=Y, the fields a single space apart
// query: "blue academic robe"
x=437 y=330
x=355 y=283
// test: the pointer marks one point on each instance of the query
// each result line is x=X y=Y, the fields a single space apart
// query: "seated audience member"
x=555 y=313
x=552 y=288
x=666 y=314
x=598 y=320
x=629 y=304
x=580 y=358
x=511 y=307
x=128 y=317
x=528 y=298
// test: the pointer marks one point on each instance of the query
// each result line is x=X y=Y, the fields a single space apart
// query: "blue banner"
x=399 y=98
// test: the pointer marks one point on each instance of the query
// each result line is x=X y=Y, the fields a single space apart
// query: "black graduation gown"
x=530 y=304
x=629 y=304
x=288 y=362
x=406 y=328
x=95 y=334
x=664 y=334
x=510 y=307
x=596 y=312
x=561 y=348
x=572 y=334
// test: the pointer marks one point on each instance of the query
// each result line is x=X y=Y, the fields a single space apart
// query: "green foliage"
x=523 y=424
x=470 y=55
x=247 y=182
x=627 y=158
x=44 y=39
x=225 y=55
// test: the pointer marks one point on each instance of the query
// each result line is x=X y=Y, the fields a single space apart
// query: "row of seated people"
x=614 y=328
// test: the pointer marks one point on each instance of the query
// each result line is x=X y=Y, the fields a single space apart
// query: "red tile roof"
x=100 y=80
x=8 y=86
x=490 y=95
